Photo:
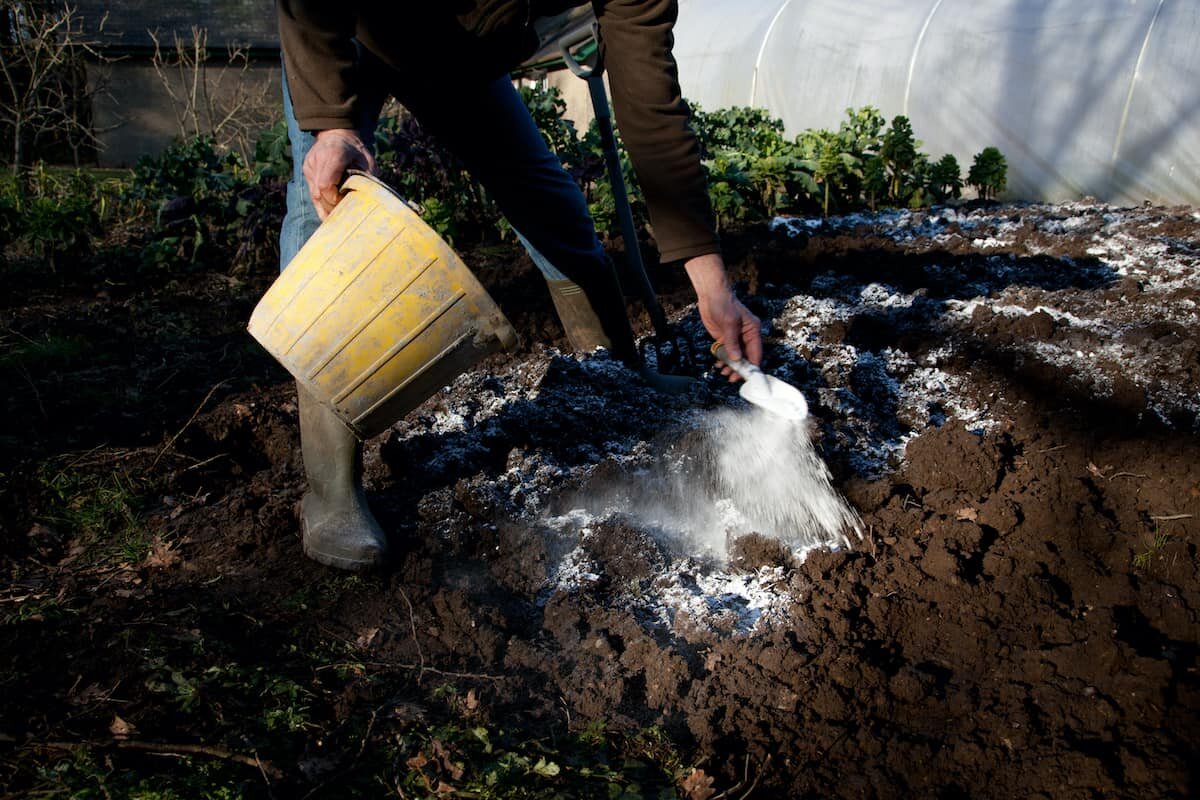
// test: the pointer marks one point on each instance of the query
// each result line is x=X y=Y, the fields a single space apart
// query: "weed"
x=289 y=710
x=1143 y=559
x=493 y=763
x=39 y=609
x=163 y=679
x=83 y=774
x=100 y=512
x=51 y=352
x=653 y=745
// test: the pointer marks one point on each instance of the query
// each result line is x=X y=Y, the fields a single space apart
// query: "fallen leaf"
x=442 y=754
x=967 y=514
x=472 y=700
x=697 y=786
x=162 y=554
x=366 y=636
x=120 y=728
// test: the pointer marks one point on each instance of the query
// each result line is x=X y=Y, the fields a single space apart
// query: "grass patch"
x=99 y=513
x=1143 y=559
x=51 y=352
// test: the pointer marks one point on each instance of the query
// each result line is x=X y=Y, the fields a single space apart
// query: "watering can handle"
x=741 y=366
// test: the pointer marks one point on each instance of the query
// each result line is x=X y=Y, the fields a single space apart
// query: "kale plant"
x=988 y=173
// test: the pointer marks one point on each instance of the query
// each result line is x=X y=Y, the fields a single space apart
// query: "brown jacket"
x=481 y=39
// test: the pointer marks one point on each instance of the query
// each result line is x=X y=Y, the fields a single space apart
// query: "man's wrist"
x=348 y=134
x=708 y=275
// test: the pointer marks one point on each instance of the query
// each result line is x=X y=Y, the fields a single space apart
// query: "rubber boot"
x=339 y=529
x=595 y=316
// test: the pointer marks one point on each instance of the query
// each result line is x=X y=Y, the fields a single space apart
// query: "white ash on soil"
x=1062 y=270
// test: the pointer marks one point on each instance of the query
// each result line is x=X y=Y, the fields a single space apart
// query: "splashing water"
x=740 y=472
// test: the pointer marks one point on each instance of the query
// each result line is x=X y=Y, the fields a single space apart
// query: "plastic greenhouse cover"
x=1084 y=97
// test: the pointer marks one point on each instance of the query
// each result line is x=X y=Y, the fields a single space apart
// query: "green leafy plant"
x=547 y=107
x=875 y=181
x=728 y=187
x=58 y=228
x=829 y=167
x=56 y=213
x=899 y=153
x=782 y=182
x=742 y=129
x=193 y=168
x=207 y=205
x=10 y=220
x=273 y=153
x=419 y=167
x=439 y=216
x=945 y=179
x=988 y=173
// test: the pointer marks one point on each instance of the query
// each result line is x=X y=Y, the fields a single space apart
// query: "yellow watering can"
x=376 y=312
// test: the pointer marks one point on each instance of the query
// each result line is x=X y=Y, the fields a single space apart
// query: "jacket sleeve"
x=319 y=56
x=637 y=39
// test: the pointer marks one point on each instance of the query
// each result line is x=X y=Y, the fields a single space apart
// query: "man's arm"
x=654 y=121
x=320 y=57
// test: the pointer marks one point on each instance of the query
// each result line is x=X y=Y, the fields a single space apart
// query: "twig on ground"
x=209 y=460
x=263 y=771
x=422 y=667
x=1054 y=449
x=1170 y=517
x=362 y=745
x=1127 y=475
x=171 y=442
x=203 y=750
x=36 y=394
x=480 y=676
x=412 y=621
x=728 y=793
x=163 y=748
x=84 y=456
x=22 y=598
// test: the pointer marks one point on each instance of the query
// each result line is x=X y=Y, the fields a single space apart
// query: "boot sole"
x=338 y=562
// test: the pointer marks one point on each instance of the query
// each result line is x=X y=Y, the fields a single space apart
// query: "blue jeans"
x=487 y=126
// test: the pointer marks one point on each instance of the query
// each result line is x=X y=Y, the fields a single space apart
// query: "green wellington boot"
x=339 y=529
x=596 y=317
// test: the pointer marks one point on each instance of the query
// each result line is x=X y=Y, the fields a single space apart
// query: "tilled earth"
x=1007 y=396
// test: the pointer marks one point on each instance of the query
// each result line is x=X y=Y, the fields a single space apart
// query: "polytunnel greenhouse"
x=1084 y=97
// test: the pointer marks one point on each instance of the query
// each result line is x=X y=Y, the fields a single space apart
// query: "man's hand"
x=334 y=152
x=723 y=315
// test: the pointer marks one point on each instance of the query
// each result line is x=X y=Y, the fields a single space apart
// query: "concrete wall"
x=136 y=116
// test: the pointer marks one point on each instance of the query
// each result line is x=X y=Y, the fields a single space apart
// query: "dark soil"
x=1008 y=398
